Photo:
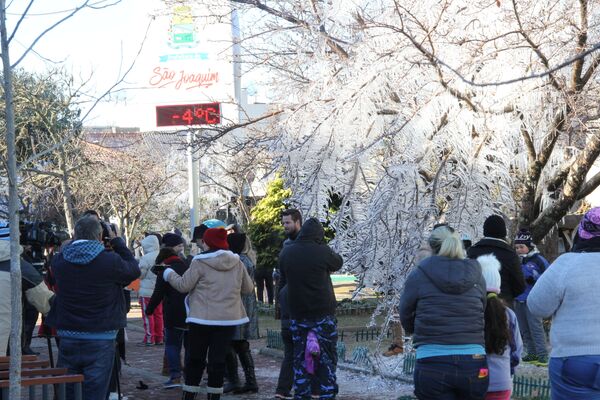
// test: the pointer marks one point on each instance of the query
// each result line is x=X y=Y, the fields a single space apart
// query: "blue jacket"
x=533 y=266
x=443 y=302
x=89 y=286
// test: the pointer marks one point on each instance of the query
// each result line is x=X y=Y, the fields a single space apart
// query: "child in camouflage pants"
x=326 y=332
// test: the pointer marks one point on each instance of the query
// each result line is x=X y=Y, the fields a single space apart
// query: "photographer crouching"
x=90 y=306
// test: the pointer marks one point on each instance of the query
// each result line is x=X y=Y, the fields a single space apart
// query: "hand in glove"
x=158 y=269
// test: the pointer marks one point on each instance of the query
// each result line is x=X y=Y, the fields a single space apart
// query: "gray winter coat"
x=443 y=302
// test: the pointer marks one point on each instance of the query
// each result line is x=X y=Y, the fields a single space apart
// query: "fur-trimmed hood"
x=220 y=260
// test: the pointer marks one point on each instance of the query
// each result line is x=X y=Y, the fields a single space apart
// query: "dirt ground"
x=145 y=363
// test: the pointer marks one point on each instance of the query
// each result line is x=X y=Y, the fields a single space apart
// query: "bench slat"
x=26 y=373
x=6 y=359
x=45 y=380
x=27 y=364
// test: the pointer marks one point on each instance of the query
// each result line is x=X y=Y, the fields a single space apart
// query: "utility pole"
x=193 y=180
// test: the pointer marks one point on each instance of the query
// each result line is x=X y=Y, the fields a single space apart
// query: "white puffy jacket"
x=151 y=247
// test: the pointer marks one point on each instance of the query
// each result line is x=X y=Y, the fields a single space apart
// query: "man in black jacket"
x=306 y=264
x=90 y=306
x=494 y=242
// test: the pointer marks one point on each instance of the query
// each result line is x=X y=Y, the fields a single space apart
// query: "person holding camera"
x=33 y=287
x=90 y=307
x=215 y=281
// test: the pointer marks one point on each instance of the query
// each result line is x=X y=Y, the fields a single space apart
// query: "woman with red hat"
x=215 y=281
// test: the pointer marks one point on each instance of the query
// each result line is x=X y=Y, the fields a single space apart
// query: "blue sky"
x=98 y=43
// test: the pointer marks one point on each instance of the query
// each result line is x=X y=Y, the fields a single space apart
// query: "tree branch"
x=330 y=40
x=41 y=35
x=582 y=36
x=535 y=48
x=589 y=186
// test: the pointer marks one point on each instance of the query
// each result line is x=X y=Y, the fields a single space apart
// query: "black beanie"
x=172 y=240
x=199 y=232
x=494 y=227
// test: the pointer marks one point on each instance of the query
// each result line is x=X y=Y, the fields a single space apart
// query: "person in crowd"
x=89 y=307
x=173 y=303
x=494 y=242
x=198 y=234
x=442 y=306
x=503 y=344
x=306 y=265
x=175 y=242
x=153 y=323
x=285 y=381
x=108 y=231
x=215 y=281
x=33 y=288
x=239 y=244
x=568 y=291
x=291 y=219
x=532 y=328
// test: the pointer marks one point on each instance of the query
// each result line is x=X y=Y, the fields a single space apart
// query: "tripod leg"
x=50 y=354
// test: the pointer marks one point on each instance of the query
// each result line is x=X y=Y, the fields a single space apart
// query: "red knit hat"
x=216 y=238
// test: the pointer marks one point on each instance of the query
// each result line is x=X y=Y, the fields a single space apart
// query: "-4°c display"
x=188 y=114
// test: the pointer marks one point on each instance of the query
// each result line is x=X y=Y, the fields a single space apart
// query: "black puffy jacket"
x=306 y=264
x=443 y=302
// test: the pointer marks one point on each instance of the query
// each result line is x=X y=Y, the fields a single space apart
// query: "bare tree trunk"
x=66 y=189
x=13 y=217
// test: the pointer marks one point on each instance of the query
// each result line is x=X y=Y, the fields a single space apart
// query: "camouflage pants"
x=326 y=330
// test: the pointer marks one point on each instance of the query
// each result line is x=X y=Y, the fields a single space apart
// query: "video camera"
x=38 y=236
x=106 y=228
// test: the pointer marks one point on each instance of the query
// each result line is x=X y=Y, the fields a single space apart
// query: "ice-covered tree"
x=408 y=111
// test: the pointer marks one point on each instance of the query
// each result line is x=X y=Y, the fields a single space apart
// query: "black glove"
x=158 y=268
x=148 y=311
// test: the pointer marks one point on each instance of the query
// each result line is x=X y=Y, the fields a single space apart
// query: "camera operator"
x=34 y=289
x=90 y=305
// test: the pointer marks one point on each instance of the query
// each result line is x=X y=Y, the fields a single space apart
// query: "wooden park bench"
x=35 y=374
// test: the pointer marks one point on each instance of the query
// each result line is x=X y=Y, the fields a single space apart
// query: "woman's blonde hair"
x=444 y=241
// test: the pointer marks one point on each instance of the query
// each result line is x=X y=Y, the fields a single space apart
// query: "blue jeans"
x=92 y=358
x=575 y=378
x=457 y=377
x=532 y=330
x=174 y=339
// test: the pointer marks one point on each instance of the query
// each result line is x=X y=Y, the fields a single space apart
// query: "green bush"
x=265 y=228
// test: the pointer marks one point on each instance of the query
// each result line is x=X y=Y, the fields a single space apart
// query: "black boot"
x=248 y=367
x=231 y=372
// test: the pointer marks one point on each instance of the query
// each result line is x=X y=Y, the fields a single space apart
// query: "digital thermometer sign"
x=188 y=114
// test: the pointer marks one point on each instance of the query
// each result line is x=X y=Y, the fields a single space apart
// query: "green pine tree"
x=265 y=228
